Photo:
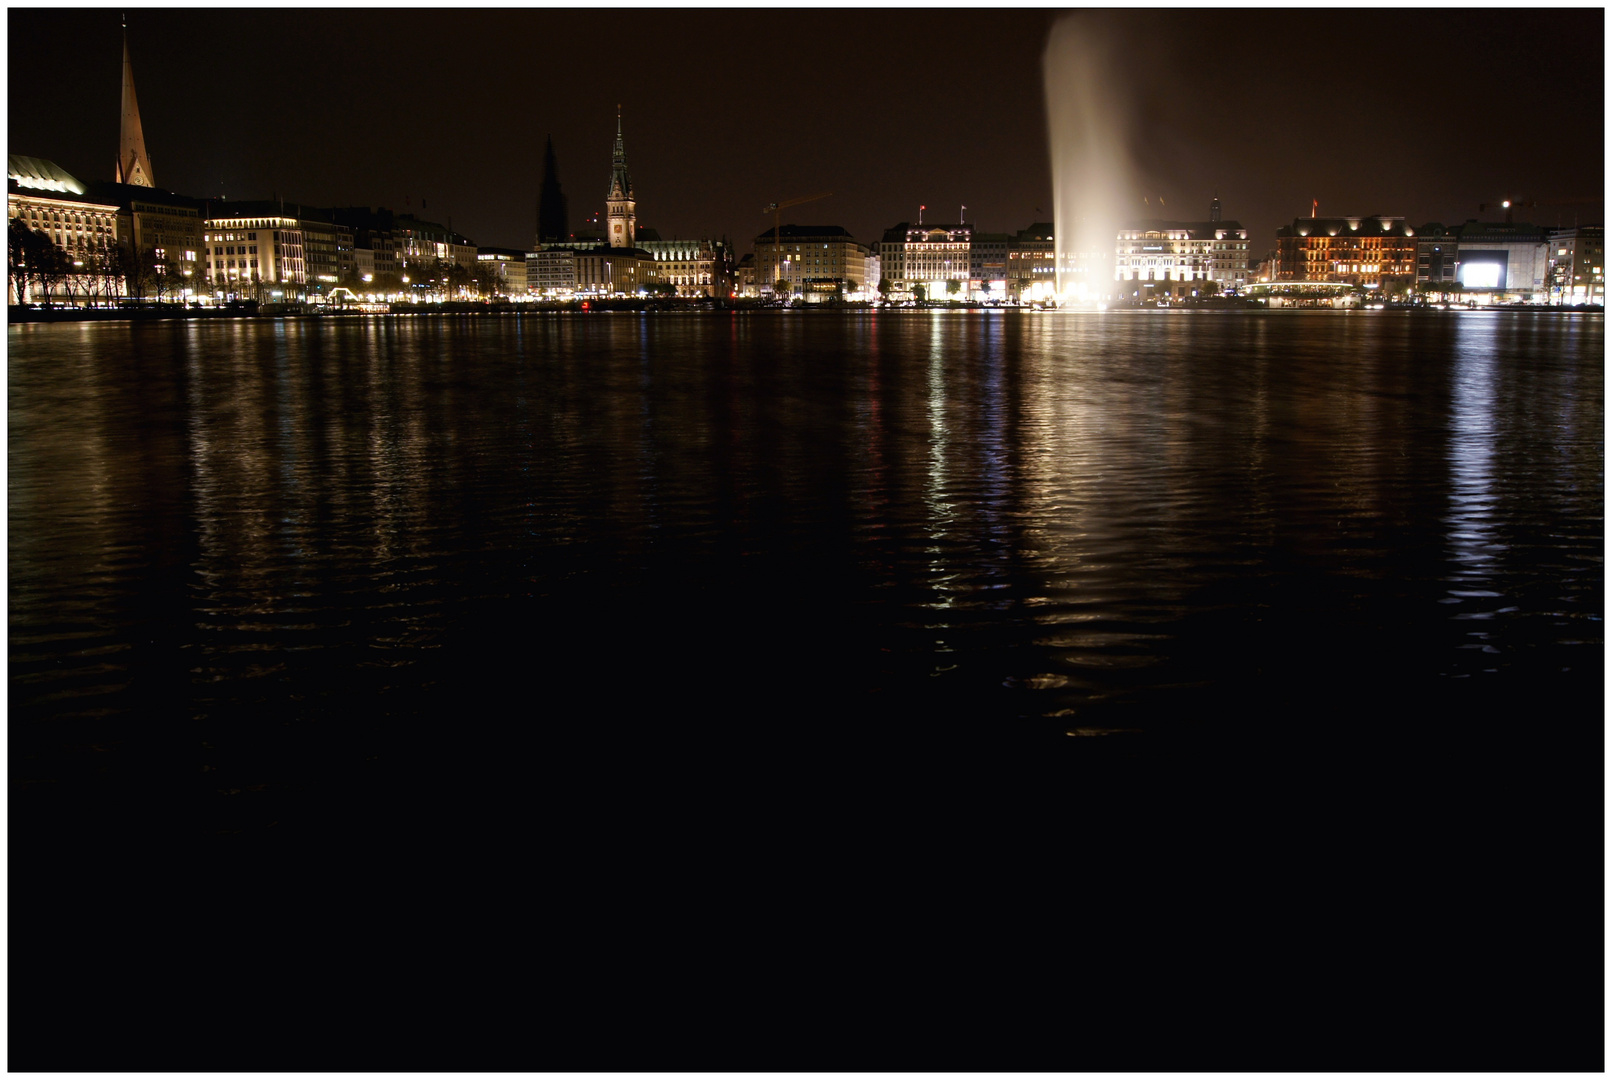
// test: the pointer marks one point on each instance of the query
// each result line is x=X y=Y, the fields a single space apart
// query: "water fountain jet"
x=1087 y=124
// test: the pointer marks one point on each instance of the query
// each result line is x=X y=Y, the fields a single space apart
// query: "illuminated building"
x=988 y=264
x=551 y=271
x=1178 y=258
x=1503 y=261
x=1375 y=253
x=825 y=255
x=689 y=266
x=508 y=265
x=1032 y=263
x=161 y=237
x=40 y=194
x=424 y=244
x=934 y=258
x=1577 y=273
x=133 y=166
x=254 y=251
x=613 y=271
x=326 y=245
x=621 y=216
x=374 y=248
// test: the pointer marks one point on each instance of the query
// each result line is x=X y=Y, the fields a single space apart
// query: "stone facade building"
x=1180 y=258
x=253 y=251
x=826 y=257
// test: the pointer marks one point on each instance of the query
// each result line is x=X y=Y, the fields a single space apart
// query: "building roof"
x=42 y=175
x=245 y=208
x=896 y=234
x=1502 y=231
x=617 y=252
x=1365 y=225
x=436 y=232
x=804 y=232
x=125 y=195
x=1196 y=229
x=360 y=217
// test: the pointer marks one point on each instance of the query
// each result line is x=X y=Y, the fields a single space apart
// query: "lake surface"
x=274 y=582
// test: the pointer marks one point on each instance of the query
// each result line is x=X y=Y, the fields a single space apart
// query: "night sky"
x=1422 y=113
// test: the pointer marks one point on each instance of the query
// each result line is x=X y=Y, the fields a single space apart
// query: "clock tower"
x=621 y=220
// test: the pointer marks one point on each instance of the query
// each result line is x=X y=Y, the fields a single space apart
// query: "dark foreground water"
x=739 y=613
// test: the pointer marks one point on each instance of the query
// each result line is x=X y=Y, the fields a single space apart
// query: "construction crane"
x=1509 y=205
x=774 y=209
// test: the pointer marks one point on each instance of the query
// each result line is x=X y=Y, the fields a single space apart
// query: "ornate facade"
x=1180 y=257
x=1373 y=253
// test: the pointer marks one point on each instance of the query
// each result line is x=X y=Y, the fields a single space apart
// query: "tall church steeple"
x=134 y=167
x=552 y=221
x=620 y=206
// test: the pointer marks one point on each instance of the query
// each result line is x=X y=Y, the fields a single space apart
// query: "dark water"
x=480 y=594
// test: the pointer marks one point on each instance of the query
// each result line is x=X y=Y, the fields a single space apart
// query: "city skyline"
x=889 y=110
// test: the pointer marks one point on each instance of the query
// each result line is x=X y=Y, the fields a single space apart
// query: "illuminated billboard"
x=1483 y=269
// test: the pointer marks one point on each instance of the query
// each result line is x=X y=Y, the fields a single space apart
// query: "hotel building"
x=1179 y=258
x=934 y=258
x=1373 y=253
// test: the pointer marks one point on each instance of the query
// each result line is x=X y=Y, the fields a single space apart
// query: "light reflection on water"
x=326 y=543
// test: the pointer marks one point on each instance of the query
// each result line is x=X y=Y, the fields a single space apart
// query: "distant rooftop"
x=1196 y=229
x=802 y=232
x=41 y=175
x=245 y=208
x=1366 y=225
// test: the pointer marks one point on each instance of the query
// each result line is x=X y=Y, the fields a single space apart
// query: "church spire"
x=133 y=167
x=552 y=223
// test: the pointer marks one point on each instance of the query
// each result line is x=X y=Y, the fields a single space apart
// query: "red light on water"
x=585 y=305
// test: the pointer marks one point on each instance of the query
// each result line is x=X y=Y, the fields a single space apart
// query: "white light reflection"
x=940 y=511
x=1470 y=524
